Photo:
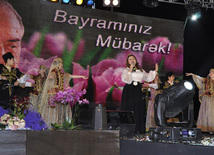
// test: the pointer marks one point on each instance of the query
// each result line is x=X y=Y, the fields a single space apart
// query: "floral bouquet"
x=13 y=123
x=19 y=117
x=68 y=96
x=72 y=97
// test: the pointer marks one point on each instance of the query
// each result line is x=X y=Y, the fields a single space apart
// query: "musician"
x=8 y=79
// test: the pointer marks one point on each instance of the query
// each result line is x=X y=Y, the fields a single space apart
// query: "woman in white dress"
x=57 y=80
x=206 y=96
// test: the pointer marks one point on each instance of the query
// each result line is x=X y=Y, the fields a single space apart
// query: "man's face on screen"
x=11 y=33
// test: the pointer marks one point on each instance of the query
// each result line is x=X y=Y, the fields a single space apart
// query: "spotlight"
x=111 y=3
x=150 y=3
x=195 y=16
x=79 y=2
x=193 y=11
x=177 y=99
x=115 y=2
x=65 y=1
x=90 y=2
x=188 y=85
x=106 y=2
x=54 y=0
x=174 y=101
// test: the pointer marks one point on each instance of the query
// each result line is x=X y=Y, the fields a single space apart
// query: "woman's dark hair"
x=136 y=65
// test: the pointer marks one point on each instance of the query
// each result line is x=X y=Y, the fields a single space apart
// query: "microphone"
x=134 y=68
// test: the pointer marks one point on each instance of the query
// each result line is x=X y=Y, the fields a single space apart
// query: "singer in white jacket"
x=132 y=96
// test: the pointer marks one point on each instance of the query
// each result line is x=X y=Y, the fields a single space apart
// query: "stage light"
x=193 y=11
x=188 y=85
x=106 y=2
x=79 y=2
x=195 y=16
x=115 y=2
x=66 y=1
x=90 y=2
x=54 y=0
x=174 y=101
x=150 y=3
x=111 y=3
x=177 y=99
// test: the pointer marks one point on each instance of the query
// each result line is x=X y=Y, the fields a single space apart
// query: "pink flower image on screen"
x=55 y=45
x=174 y=60
x=29 y=63
x=80 y=83
x=106 y=74
x=149 y=59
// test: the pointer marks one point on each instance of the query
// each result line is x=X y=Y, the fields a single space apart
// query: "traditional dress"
x=167 y=84
x=6 y=86
x=55 y=114
x=206 y=95
x=35 y=95
x=150 y=118
x=132 y=96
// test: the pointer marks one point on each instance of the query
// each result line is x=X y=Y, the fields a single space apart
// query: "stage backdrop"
x=96 y=43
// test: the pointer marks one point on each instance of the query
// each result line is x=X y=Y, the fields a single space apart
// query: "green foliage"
x=160 y=67
x=68 y=56
x=39 y=44
x=105 y=54
x=86 y=60
x=66 y=126
x=109 y=95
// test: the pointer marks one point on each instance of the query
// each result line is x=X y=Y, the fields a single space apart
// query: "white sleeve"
x=154 y=85
x=22 y=79
x=148 y=77
x=126 y=76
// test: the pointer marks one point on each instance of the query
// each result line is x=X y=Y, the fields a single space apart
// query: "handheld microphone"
x=134 y=68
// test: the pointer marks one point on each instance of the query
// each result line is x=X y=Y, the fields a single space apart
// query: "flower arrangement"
x=19 y=117
x=13 y=123
x=72 y=97
x=68 y=96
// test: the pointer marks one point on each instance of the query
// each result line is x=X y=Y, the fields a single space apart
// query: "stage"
x=75 y=142
x=89 y=142
x=133 y=147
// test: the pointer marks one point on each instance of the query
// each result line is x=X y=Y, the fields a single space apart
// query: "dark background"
x=198 y=35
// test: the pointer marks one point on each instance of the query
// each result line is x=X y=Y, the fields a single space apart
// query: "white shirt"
x=24 y=79
x=137 y=76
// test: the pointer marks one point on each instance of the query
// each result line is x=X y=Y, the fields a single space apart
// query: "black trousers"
x=133 y=100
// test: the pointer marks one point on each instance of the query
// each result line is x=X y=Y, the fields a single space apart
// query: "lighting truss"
x=203 y=3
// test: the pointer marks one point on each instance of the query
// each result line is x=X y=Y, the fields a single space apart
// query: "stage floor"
x=141 y=145
x=90 y=142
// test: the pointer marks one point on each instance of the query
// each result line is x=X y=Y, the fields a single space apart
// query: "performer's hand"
x=22 y=85
x=3 y=78
x=145 y=85
x=16 y=83
x=131 y=66
x=189 y=74
x=84 y=77
x=156 y=67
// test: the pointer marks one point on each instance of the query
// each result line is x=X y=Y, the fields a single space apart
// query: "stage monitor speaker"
x=121 y=120
x=100 y=121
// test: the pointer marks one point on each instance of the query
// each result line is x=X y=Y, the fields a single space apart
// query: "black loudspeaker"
x=121 y=120
x=100 y=122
